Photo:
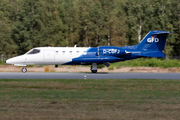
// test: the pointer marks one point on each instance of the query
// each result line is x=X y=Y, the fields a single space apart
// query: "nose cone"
x=16 y=60
x=9 y=61
x=12 y=61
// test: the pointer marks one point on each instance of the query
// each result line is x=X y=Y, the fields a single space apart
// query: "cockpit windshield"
x=33 y=51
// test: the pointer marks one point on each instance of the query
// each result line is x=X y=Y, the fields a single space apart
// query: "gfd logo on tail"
x=152 y=39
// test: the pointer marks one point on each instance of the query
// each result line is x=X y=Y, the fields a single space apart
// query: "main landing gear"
x=94 y=68
x=24 y=70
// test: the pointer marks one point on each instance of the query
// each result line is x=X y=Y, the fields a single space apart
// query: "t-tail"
x=153 y=44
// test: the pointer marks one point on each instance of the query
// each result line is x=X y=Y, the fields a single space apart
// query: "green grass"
x=89 y=99
x=145 y=62
x=1 y=62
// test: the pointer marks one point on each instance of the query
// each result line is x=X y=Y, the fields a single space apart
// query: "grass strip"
x=89 y=99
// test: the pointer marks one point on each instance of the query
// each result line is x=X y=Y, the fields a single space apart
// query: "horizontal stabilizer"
x=153 y=54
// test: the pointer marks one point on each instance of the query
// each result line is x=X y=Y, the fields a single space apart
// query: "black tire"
x=24 y=70
x=94 y=71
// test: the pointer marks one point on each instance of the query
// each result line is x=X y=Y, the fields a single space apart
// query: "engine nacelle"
x=110 y=51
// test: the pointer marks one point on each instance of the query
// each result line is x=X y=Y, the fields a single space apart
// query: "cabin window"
x=63 y=52
x=70 y=52
x=77 y=52
x=34 y=51
x=57 y=52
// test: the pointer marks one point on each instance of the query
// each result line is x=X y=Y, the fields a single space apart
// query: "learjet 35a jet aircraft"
x=152 y=45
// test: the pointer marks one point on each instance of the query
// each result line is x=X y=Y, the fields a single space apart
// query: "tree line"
x=25 y=24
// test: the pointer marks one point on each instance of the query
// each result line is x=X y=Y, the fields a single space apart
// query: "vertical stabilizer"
x=154 y=40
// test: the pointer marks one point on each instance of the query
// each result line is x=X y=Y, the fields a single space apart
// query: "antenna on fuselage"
x=76 y=45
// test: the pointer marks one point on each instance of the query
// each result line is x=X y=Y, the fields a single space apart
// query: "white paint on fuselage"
x=48 y=56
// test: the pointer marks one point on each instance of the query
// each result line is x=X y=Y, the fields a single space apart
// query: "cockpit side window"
x=34 y=51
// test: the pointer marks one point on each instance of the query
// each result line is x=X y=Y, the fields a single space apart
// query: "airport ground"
x=77 y=99
x=64 y=68
x=55 y=99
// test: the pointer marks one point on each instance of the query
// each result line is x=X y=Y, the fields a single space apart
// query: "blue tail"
x=153 y=44
x=154 y=40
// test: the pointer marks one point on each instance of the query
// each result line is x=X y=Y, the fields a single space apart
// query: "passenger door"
x=49 y=54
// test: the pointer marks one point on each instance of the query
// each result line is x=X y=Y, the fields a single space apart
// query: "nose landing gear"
x=24 y=70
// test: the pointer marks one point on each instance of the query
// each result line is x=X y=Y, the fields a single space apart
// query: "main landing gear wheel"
x=94 y=71
x=94 y=68
x=24 y=70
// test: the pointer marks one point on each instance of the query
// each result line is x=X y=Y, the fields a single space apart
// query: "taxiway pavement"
x=31 y=75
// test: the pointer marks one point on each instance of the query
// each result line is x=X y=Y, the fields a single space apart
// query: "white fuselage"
x=48 y=56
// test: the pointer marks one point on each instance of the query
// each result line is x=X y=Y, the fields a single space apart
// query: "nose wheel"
x=24 y=70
